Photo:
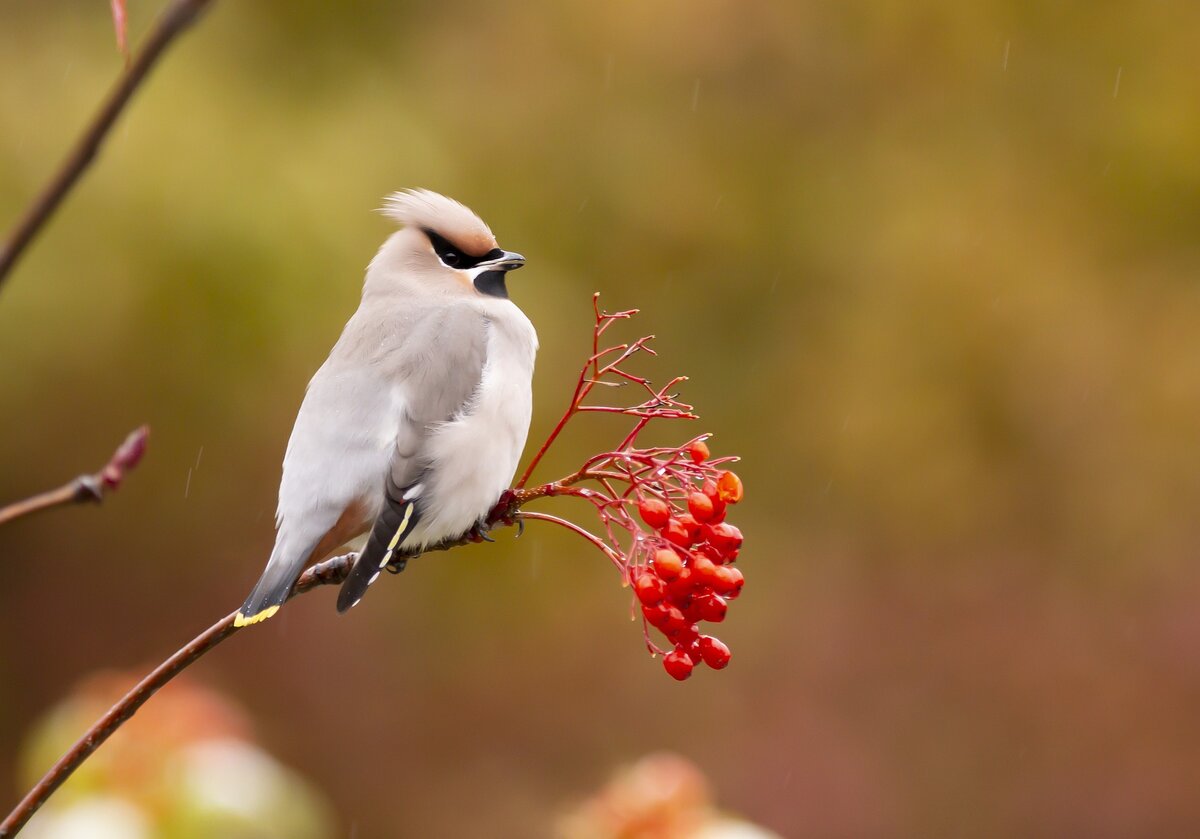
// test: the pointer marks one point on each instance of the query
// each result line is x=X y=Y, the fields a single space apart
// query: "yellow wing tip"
x=242 y=620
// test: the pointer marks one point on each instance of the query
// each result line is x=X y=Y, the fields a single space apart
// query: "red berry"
x=685 y=635
x=729 y=581
x=718 y=503
x=667 y=563
x=674 y=622
x=700 y=506
x=681 y=587
x=729 y=486
x=712 y=607
x=649 y=589
x=704 y=569
x=675 y=533
x=724 y=537
x=677 y=664
x=656 y=615
x=715 y=654
x=691 y=527
x=698 y=451
x=654 y=512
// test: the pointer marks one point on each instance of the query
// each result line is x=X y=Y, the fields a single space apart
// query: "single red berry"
x=675 y=533
x=656 y=615
x=685 y=635
x=718 y=503
x=690 y=526
x=724 y=537
x=680 y=588
x=711 y=607
x=667 y=563
x=654 y=512
x=677 y=664
x=649 y=589
x=715 y=654
x=675 y=620
x=729 y=581
x=700 y=506
x=729 y=486
x=704 y=569
x=698 y=451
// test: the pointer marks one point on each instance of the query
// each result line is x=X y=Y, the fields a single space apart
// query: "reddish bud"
x=667 y=563
x=698 y=451
x=675 y=533
x=678 y=665
x=700 y=506
x=715 y=654
x=649 y=589
x=729 y=486
x=654 y=511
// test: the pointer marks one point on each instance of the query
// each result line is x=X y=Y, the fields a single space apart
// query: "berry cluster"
x=661 y=509
x=689 y=575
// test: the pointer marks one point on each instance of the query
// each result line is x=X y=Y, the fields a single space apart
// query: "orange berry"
x=654 y=512
x=649 y=589
x=700 y=506
x=729 y=486
x=667 y=563
x=698 y=451
x=675 y=533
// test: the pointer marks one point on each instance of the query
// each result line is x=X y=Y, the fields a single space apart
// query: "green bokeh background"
x=931 y=266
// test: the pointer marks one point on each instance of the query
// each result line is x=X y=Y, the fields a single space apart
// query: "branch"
x=329 y=572
x=178 y=16
x=86 y=488
x=325 y=573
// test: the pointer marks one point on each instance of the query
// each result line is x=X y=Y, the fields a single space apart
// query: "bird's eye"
x=450 y=258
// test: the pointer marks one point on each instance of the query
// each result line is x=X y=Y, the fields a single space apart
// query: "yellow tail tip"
x=242 y=620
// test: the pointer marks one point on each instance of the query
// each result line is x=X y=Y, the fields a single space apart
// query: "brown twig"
x=324 y=573
x=86 y=488
x=177 y=17
x=329 y=572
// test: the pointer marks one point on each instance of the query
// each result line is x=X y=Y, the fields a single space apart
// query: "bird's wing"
x=440 y=377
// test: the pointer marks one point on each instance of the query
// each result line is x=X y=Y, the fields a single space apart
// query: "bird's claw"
x=479 y=532
x=396 y=565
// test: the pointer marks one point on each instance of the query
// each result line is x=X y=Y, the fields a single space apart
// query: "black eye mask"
x=452 y=257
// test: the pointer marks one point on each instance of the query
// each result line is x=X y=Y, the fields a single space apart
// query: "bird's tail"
x=397 y=518
x=270 y=591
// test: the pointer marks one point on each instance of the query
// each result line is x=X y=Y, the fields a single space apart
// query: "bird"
x=414 y=425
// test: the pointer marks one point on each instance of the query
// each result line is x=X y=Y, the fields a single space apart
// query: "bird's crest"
x=444 y=216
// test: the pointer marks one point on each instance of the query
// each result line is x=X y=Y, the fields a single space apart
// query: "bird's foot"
x=479 y=532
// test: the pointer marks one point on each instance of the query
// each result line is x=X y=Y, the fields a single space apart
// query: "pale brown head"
x=453 y=240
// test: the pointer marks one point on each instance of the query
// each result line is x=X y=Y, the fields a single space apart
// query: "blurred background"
x=931 y=266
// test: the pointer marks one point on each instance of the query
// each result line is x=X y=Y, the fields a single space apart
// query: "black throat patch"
x=492 y=284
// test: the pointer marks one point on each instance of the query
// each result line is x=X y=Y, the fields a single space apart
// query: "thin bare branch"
x=329 y=572
x=86 y=488
x=178 y=16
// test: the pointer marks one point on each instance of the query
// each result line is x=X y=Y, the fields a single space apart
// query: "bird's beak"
x=506 y=261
